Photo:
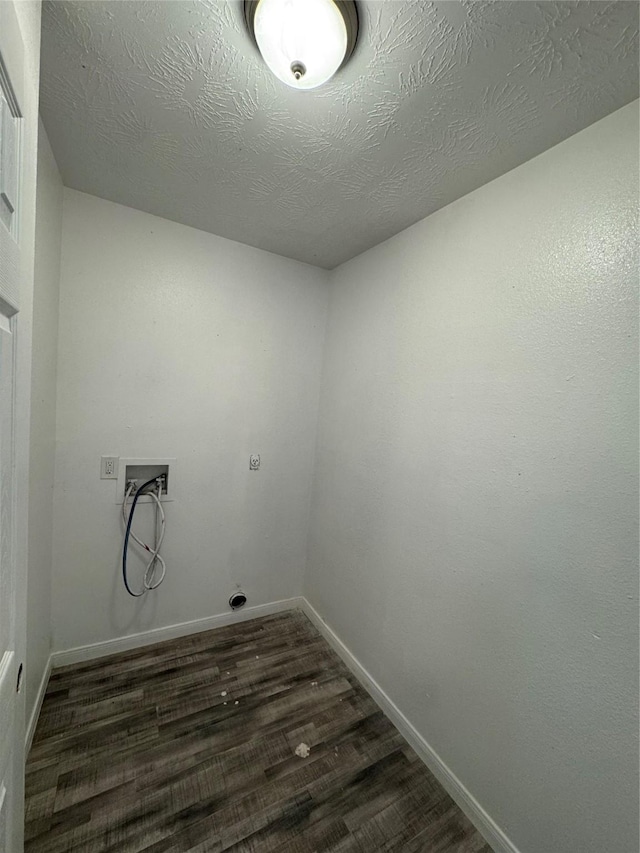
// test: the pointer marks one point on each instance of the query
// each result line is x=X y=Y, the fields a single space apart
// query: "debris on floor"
x=302 y=750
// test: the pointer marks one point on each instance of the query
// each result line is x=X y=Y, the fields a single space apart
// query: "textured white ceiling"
x=166 y=107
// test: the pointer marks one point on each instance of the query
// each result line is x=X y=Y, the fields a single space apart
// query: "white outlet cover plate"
x=167 y=497
x=105 y=473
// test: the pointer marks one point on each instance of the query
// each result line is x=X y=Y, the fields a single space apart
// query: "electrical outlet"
x=254 y=462
x=109 y=467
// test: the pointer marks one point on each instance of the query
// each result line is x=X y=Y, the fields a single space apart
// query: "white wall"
x=43 y=416
x=474 y=521
x=177 y=343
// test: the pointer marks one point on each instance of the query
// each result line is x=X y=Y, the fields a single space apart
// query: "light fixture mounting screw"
x=298 y=69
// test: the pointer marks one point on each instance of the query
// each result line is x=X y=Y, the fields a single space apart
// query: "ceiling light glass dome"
x=304 y=42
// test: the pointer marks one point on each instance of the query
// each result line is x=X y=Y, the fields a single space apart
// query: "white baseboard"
x=467 y=802
x=37 y=705
x=170 y=632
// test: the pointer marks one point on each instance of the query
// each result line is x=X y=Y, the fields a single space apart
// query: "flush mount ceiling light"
x=304 y=42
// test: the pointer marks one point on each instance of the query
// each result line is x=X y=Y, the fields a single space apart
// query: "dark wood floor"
x=189 y=745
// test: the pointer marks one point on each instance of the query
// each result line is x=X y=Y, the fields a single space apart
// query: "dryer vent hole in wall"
x=237 y=600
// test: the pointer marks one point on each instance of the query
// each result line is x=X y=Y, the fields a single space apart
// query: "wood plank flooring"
x=189 y=745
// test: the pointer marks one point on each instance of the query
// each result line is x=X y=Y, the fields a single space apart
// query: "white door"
x=11 y=621
x=11 y=740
